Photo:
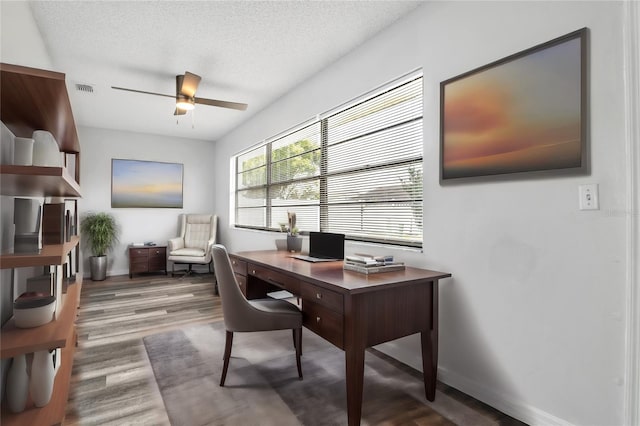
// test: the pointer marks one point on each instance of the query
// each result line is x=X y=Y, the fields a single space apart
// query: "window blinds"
x=357 y=171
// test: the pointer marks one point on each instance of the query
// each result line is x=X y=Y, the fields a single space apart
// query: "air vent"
x=84 y=88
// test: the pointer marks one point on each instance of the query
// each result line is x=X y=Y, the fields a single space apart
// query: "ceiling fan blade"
x=179 y=111
x=189 y=84
x=142 y=91
x=223 y=104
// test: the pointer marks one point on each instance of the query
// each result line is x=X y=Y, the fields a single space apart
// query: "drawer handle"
x=233 y=262
x=318 y=320
x=318 y=295
x=253 y=272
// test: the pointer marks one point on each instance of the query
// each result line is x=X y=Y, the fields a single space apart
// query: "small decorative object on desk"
x=294 y=242
x=368 y=264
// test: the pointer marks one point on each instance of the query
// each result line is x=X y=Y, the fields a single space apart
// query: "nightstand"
x=147 y=259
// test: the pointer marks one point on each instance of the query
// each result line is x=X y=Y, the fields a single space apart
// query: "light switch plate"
x=588 y=197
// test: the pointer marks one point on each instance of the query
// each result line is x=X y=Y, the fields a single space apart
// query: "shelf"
x=51 y=254
x=36 y=181
x=16 y=341
x=53 y=413
x=34 y=99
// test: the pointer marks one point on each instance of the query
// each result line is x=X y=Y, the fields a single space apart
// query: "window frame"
x=323 y=175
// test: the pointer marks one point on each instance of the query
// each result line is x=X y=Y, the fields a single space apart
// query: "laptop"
x=324 y=247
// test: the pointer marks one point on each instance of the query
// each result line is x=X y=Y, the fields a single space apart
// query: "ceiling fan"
x=186 y=86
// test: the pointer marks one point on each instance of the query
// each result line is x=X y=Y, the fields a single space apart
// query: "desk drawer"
x=324 y=322
x=239 y=266
x=242 y=283
x=276 y=278
x=330 y=299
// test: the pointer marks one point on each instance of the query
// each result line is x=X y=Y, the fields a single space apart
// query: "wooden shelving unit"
x=33 y=99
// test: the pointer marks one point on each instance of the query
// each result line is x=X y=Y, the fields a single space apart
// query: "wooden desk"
x=352 y=310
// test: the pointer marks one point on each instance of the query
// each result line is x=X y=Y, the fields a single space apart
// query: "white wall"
x=532 y=320
x=99 y=146
x=21 y=42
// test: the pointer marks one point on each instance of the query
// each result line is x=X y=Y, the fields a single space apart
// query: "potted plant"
x=294 y=242
x=101 y=231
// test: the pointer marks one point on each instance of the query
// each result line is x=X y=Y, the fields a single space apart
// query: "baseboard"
x=510 y=406
x=507 y=404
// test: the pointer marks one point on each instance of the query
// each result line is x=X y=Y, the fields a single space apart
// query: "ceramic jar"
x=17 y=384
x=45 y=150
x=42 y=377
x=23 y=151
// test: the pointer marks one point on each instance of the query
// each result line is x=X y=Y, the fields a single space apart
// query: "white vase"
x=42 y=377
x=45 y=150
x=17 y=384
x=23 y=151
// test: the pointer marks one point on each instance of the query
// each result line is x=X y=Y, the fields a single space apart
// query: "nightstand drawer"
x=157 y=252
x=156 y=263
x=138 y=267
x=141 y=253
x=157 y=258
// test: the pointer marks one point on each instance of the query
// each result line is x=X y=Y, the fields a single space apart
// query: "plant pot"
x=98 y=265
x=294 y=243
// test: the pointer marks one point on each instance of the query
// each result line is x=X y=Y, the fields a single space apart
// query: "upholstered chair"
x=242 y=315
x=193 y=246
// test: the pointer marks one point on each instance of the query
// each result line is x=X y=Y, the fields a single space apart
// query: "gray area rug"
x=262 y=386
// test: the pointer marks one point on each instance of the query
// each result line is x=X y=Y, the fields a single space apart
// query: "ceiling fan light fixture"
x=186 y=103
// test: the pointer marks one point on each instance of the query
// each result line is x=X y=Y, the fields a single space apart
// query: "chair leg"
x=227 y=355
x=293 y=332
x=297 y=335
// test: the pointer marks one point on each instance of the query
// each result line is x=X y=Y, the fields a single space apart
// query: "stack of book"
x=368 y=264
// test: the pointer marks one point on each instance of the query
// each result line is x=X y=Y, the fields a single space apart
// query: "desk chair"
x=242 y=315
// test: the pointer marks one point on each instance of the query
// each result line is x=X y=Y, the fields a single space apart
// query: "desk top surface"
x=332 y=273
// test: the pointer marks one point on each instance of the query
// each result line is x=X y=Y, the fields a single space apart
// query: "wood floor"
x=112 y=380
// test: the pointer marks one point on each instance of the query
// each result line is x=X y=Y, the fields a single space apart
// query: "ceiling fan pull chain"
x=193 y=113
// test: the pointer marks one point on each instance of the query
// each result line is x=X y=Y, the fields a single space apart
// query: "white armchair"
x=193 y=246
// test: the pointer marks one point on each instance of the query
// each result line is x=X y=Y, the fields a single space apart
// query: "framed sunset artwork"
x=146 y=184
x=524 y=113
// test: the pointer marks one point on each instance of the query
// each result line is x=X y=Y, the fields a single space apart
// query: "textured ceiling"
x=245 y=51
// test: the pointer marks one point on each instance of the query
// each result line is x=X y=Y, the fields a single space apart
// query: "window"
x=357 y=171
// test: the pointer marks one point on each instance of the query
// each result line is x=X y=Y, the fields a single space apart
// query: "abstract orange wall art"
x=523 y=113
